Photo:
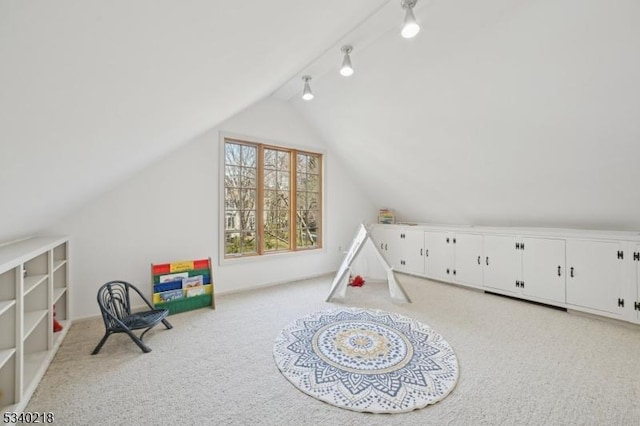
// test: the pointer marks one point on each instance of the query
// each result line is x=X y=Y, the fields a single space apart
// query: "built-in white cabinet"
x=543 y=269
x=565 y=268
x=467 y=254
x=402 y=248
x=383 y=238
x=525 y=266
x=502 y=263
x=33 y=288
x=595 y=275
x=454 y=257
x=438 y=261
x=636 y=283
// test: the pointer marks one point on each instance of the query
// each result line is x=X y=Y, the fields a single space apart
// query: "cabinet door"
x=636 y=264
x=411 y=251
x=543 y=269
x=594 y=278
x=382 y=238
x=468 y=259
x=438 y=261
x=502 y=262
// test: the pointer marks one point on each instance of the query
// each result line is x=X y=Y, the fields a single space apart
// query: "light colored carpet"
x=519 y=364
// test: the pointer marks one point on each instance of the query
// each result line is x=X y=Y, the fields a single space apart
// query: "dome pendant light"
x=410 y=27
x=307 y=94
x=346 y=69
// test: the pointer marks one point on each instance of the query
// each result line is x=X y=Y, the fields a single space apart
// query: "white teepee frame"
x=341 y=280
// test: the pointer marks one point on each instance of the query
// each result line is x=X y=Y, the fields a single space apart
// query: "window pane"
x=282 y=200
x=302 y=201
x=231 y=199
x=313 y=183
x=232 y=176
x=249 y=154
x=283 y=160
x=313 y=200
x=232 y=153
x=232 y=243
x=270 y=179
x=283 y=180
x=270 y=159
x=248 y=199
x=301 y=182
x=314 y=164
x=302 y=163
x=283 y=239
x=249 y=243
x=248 y=178
x=232 y=220
x=270 y=200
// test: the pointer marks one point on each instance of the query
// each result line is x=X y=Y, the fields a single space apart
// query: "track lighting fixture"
x=410 y=27
x=307 y=94
x=346 y=69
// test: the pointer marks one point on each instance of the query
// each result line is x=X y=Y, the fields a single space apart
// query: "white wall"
x=170 y=212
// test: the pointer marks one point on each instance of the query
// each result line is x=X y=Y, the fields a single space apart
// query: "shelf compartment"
x=5 y=305
x=57 y=294
x=38 y=265
x=57 y=264
x=31 y=282
x=60 y=277
x=8 y=283
x=5 y=355
x=7 y=379
x=31 y=321
x=8 y=327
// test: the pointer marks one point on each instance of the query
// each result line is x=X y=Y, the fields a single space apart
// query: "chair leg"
x=104 y=339
x=167 y=324
x=139 y=341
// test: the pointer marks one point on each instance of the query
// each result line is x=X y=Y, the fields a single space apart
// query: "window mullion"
x=260 y=201
x=293 y=191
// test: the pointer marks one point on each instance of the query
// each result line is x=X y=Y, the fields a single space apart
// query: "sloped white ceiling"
x=93 y=90
x=500 y=112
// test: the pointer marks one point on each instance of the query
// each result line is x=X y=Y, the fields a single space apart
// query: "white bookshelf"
x=33 y=285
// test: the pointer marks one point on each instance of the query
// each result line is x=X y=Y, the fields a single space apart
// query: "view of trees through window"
x=272 y=199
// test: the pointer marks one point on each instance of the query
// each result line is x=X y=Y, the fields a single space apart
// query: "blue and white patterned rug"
x=366 y=360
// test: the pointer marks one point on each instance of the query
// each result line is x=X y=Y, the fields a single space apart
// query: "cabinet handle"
x=559 y=274
x=385 y=247
x=447 y=270
x=571 y=272
x=447 y=240
x=421 y=252
x=478 y=260
x=381 y=246
x=517 y=247
x=487 y=260
x=426 y=253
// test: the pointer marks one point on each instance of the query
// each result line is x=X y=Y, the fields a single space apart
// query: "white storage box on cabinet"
x=30 y=291
x=594 y=275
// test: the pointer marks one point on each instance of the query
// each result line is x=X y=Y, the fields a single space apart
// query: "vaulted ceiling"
x=502 y=112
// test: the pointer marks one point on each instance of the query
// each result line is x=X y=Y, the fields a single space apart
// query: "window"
x=272 y=199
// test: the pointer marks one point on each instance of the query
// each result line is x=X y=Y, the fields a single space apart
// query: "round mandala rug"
x=366 y=360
